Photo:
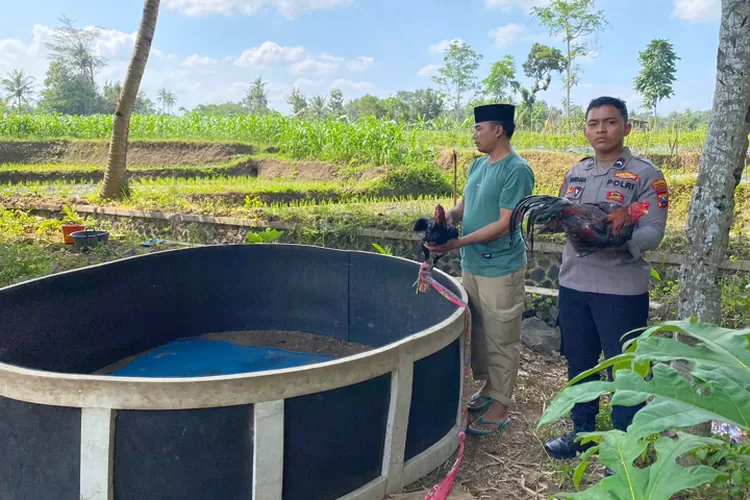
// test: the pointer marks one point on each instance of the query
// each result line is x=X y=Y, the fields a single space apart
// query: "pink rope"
x=425 y=281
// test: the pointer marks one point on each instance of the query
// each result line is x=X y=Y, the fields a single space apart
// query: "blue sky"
x=211 y=50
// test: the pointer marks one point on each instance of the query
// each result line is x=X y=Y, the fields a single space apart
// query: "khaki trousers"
x=497 y=306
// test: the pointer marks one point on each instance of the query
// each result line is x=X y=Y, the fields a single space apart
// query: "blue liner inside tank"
x=196 y=357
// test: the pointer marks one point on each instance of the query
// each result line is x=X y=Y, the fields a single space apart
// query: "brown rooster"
x=436 y=232
x=589 y=226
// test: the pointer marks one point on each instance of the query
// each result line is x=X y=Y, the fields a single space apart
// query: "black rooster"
x=436 y=232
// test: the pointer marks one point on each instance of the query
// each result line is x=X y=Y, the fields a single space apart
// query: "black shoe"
x=566 y=447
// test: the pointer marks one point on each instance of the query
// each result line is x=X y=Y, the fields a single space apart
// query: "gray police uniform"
x=624 y=272
x=604 y=295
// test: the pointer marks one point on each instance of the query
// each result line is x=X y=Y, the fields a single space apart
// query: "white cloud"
x=429 y=70
x=289 y=9
x=114 y=44
x=299 y=61
x=200 y=79
x=12 y=51
x=196 y=60
x=312 y=66
x=443 y=45
x=507 y=35
x=361 y=63
x=512 y=4
x=269 y=54
x=697 y=10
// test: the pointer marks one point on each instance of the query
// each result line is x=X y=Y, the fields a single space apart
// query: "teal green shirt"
x=490 y=187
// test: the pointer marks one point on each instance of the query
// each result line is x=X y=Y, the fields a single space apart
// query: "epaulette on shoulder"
x=648 y=162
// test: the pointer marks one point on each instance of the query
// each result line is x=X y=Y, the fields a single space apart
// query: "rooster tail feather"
x=422 y=224
x=530 y=205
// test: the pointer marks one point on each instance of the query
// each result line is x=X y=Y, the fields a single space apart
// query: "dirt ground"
x=139 y=153
x=561 y=161
x=301 y=170
x=176 y=153
x=513 y=464
x=291 y=341
x=256 y=167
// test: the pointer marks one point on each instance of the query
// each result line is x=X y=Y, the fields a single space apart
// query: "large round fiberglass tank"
x=228 y=373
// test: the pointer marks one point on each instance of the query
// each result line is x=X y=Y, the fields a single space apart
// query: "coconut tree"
x=114 y=176
x=19 y=87
x=167 y=99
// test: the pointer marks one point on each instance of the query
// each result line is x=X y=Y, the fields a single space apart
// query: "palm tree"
x=19 y=87
x=318 y=108
x=167 y=99
x=114 y=176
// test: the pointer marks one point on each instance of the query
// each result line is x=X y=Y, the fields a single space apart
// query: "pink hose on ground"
x=425 y=281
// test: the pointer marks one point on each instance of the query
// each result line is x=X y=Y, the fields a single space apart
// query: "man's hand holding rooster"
x=450 y=245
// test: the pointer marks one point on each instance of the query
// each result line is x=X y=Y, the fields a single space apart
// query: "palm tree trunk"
x=723 y=160
x=114 y=176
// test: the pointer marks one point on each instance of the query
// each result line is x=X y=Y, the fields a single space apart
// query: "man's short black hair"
x=609 y=101
x=509 y=127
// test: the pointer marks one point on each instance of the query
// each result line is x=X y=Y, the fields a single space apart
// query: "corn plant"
x=720 y=368
x=359 y=142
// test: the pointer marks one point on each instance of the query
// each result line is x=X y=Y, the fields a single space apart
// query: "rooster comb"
x=439 y=214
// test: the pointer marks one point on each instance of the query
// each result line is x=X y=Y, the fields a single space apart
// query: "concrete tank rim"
x=144 y=393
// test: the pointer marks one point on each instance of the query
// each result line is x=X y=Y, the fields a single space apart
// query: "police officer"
x=604 y=295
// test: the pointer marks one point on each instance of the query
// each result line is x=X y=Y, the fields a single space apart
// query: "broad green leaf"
x=675 y=399
x=678 y=404
x=581 y=468
x=570 y=396
x=660 y=481
x=734 y=355
x=621 y=361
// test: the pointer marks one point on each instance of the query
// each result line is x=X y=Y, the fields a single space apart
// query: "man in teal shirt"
x=493 y=268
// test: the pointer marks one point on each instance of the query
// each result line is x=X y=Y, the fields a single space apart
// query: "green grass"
x=32 y=247
x=226 y=195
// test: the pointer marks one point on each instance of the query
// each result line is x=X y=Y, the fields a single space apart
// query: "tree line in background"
x=70 y=85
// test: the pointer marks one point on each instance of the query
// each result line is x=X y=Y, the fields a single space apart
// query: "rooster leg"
x=426 y=253
x=435 y=259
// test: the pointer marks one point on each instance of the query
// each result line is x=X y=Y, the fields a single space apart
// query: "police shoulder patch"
x=616 y=196
x=662 y=193
x=625 y=174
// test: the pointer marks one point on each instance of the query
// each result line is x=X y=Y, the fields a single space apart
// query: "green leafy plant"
x=383 y=250
x=70 y=216
x=720 y=369
x=663 y=478
x=267 y=236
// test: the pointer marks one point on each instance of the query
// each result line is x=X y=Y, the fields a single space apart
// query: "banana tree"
x=114 y=176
